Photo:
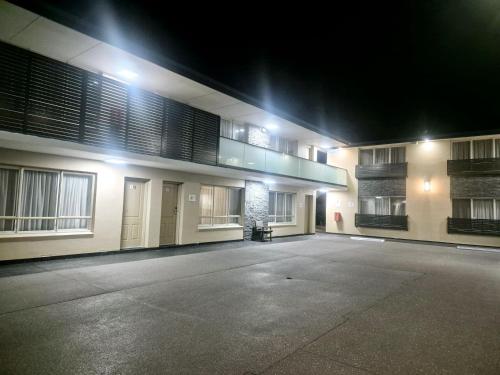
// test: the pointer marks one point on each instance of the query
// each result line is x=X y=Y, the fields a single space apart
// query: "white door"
x=133 y=214
x=168 y=214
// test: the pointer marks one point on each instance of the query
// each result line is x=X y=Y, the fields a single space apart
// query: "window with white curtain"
x=460 y=150
x=35 y=200
x=476 y=208
x=391 y=155
x=220 y=206
x=281 y=207
x=395 y=206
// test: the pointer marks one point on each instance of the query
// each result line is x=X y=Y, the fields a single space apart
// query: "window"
x=483 y=149
x=230 y=129
x=391 y=155
x=33 y=200
x=365 y=157
x=460 y=150
x=382 y=155
x=398 y=155
x=281 y=207
x=395 y=206
x=220 y=206
x=476 y=208
x=476 y=149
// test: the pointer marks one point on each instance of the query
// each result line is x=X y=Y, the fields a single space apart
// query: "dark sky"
x=367 y=71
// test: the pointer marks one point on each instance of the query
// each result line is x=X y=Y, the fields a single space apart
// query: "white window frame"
x=212 y=216
x=294 y=209
x=60 y=175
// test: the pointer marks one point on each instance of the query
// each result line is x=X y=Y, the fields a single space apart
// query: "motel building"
x=102 y=150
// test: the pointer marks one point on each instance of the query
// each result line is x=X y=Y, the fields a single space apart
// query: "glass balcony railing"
x=243 y=155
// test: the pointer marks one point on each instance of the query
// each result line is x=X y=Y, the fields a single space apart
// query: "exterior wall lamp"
x=427 y=185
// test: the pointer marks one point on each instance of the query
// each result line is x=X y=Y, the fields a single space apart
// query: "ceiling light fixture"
x=128 y=74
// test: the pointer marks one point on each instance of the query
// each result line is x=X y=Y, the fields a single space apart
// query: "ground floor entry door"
x=133 y=214
x=168 y=224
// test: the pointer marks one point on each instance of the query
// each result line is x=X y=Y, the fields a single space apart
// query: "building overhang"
x=30 y=31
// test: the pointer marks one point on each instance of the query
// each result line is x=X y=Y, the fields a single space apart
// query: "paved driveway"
x=311 y=305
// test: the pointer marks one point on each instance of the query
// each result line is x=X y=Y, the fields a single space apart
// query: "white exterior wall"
x=108 y=207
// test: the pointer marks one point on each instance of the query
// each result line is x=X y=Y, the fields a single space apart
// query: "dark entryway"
x=320 y=211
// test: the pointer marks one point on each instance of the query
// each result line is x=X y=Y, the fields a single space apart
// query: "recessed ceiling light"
x=268 y=181
x=271 y=126
x=128 y=74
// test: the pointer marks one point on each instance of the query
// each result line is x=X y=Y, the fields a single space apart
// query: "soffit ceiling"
x=38 y=34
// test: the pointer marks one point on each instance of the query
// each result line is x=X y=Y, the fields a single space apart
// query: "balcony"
x=483 y=227
x=396 y=170
x=474 y=167
x=381 y=221
x=241 y=155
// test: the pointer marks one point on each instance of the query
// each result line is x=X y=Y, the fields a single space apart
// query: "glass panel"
x=240 y=132
x=7 y=225
x=282 y=163
x=497 y=148
x=398 y=206
x=220 y=205
x=280 y=207
x=38 y=199
x=272 y=203
x=206 y=202
x=234 y=201
x=82 y=224
x=76 y=198
x=8 y=189
x=226 y=128
x=460 y=150
x=367 y=206
x=483 y=149
x=293 y=147
x=231 y=152
x=365 y=157
x=398 y=155
x=255 y=158
x=37 y=224
x=483 y=208
x=289 y=209
x=461 y=208
x=381 y=155
x=382 y=206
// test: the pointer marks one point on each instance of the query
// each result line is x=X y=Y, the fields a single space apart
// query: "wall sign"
x=192 y=197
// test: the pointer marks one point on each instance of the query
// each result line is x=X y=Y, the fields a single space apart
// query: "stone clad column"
x=256 y=205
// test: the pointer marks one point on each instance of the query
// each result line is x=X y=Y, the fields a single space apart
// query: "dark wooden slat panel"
x=205 y=137
x=145 y=121
x=474 y=167
x=105 y=112
x=177 y=141
x=381 y=221
x=474 y=226
x=55 y=96
x=14 y=67
x=396 y=170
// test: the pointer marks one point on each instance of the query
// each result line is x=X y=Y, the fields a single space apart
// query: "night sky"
x=367 y=72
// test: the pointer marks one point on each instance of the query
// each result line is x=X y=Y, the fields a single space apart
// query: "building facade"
x=101 y=150
x=444 y=190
